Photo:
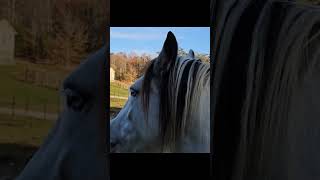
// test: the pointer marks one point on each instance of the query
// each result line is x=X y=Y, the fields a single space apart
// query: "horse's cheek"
x=127 y=130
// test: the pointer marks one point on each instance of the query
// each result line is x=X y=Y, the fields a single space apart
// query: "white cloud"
x=144 y=51
x=152 y=35
x=135 y=36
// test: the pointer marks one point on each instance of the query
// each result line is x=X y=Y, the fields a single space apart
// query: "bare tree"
x=69 y=44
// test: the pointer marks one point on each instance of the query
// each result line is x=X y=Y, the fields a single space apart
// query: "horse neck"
x=197 y=113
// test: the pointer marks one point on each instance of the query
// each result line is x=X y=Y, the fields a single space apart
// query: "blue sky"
x=150 y=39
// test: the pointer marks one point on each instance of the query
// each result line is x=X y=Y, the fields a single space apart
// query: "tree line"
x=56 y=31
x=130 y=66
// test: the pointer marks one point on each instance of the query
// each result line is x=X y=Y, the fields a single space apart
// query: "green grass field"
x=19 y=139
x=25 y=92
x=117 y=103
x=21 y=136
x=38 y=96
x=117 y=89
x=23 y=130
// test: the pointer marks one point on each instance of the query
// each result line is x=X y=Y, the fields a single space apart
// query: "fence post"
x=25 y=74
x=13 y=107
x=59 y=104
x=44 y=110
x=27 y=105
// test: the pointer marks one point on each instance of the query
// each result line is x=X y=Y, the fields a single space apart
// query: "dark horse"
x=266 y=88
x=76 y=146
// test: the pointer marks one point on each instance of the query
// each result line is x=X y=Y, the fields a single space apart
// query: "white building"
x=112 y=74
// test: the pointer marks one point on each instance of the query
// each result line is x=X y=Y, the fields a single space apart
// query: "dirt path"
x=119 y=97
x=34 y=114
x=13 y=158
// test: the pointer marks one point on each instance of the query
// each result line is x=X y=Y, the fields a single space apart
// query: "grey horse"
x=75 y=148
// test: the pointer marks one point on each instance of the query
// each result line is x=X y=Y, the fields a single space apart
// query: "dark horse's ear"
x=167 y=55
x=191 y=54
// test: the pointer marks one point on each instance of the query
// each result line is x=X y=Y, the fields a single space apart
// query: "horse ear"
x=191 y=54
x=167 y=55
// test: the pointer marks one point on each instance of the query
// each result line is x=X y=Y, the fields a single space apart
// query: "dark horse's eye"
x=74 y=100
x=133 y=92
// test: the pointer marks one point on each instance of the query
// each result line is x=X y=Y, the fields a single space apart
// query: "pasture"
x=21 y=135
x=119 y=89
x=118 y=94
x=24 y=95
x=19 y=139
x=23 y=130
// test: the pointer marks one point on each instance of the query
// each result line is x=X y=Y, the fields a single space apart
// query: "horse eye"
x=74 y=100
x=133 y=92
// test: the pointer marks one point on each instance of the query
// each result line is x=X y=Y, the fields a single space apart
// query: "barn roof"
x=5 y=24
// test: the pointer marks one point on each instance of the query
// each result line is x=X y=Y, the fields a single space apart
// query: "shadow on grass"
x=13 y=158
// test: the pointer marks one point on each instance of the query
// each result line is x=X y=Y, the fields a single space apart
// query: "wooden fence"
x=42 y=77
x=46 y=110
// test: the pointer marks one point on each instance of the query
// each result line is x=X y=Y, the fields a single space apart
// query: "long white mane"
x=189 y=102
x=198 y=81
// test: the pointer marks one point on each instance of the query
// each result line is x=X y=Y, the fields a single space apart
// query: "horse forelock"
x=179 y=90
